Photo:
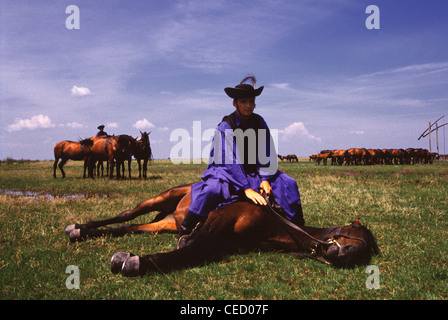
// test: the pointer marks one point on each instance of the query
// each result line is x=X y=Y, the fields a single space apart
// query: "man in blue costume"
x=239 y=170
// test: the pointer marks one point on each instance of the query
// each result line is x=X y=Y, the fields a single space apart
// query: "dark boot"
x=189 y=225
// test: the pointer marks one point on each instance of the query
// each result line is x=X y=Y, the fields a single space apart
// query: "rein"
x=111 y=142
x=316 y=249
x=289 y=223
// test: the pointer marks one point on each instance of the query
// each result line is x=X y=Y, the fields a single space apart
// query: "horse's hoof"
x=131 y=267
x=116 y=263
x=75 y=235
x=69 y=228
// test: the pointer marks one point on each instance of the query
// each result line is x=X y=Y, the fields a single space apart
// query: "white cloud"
x=295 y=130
x=75 y=125
x=80 y=91
x=420 y=69
x=283 y=85
x=358 y=132
x=112 y=125
x=143 y=124
x=39 y=121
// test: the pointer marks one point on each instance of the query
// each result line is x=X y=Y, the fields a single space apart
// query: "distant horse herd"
x=115 y=150
x=363 y=156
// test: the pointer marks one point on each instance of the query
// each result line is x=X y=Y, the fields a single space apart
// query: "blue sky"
x=160 y=65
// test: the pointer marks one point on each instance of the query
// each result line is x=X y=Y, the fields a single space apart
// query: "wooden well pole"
x=429 y=129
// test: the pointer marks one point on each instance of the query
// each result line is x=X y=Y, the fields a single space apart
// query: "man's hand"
x=266 y=187
x=255 y=197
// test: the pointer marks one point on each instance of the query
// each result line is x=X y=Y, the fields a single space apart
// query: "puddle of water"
x=48 y=196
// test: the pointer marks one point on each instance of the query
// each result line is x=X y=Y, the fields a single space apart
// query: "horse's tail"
x=57 y=155
x=58 y=150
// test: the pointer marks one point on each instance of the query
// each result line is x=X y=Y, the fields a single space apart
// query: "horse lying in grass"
x=234 y=228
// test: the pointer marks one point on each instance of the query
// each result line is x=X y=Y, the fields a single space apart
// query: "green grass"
x=404 y=206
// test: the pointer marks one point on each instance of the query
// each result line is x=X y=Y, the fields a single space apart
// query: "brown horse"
x=71 y=150
x=357 y=156
x=399 y=156
x=127 y=146
x=111 y=149
x=100 y=152
x=338 y=156
x=322 y=157
x=234 y=228
x=291 y=158
x=143 y=152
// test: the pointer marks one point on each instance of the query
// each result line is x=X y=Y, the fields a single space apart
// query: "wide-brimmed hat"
x=101 y=127
x=244 y=90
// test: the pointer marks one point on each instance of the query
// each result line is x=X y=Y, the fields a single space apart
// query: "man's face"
x=245 y=107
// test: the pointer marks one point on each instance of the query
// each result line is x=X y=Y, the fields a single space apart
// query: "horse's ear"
x=357 y=222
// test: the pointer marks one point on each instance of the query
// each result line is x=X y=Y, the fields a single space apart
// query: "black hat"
x=244 y=90
x=101 y=127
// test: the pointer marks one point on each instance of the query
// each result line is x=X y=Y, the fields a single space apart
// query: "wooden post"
x=437 y=136
x=429 y=129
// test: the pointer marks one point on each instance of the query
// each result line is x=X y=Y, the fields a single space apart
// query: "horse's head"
x=125 y=145
x=86 y=144
x=349 y=246
x=145 y=138
x=133 y=144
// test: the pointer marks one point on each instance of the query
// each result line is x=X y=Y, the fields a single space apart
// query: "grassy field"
x=404 y=206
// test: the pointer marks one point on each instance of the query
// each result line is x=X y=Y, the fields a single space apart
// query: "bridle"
x=340 y=235
x=316 y=248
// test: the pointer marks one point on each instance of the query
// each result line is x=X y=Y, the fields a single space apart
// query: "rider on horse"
x=101 y=133
x=238 y=178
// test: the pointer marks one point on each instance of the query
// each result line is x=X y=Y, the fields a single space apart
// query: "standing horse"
x=101 y=152
x=356 y=156
x=127 y=146
x=291 y=158
x=234 y=228
x=143 y=152
x=111 y=149
x=71 y=150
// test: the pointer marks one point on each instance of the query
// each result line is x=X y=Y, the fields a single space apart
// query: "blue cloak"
x=225 y=179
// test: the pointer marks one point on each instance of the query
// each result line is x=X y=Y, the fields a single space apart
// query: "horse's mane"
x=371 y=244
x=87 y=141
